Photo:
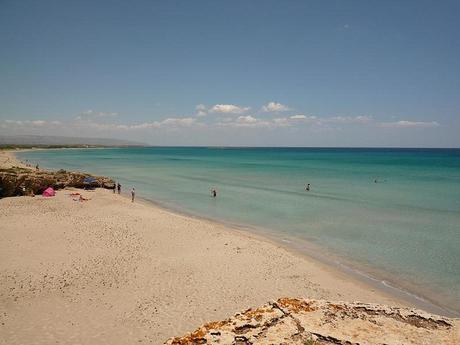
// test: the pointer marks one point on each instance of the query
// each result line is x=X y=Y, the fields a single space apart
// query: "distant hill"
x=67 y=141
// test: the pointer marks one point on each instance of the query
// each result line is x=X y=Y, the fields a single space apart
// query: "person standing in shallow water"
x=213 y=192
x=119 y=188
x=133 y=194
x=307 y=187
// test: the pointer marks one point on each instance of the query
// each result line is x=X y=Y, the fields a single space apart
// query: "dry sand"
x=108 y=271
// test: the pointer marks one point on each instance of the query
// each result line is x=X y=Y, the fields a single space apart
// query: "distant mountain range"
x=67 y=141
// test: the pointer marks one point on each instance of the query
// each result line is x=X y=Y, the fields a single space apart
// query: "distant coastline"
x=61 y=141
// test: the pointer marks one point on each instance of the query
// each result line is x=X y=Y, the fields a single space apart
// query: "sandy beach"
x=108 y=271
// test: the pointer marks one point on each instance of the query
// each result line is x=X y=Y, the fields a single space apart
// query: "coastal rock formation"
x=12 y=180
x=307 y=321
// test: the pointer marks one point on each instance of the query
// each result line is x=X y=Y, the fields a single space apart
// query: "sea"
x=391 y=216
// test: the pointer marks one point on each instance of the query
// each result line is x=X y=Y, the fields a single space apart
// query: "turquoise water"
x=404 y=229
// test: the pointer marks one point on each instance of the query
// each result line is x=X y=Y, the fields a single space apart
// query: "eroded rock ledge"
x=308 y=322
x=12 y=180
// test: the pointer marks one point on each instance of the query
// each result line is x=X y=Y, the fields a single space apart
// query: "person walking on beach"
x=119 y=188
x=133 y=194
x=114 y=187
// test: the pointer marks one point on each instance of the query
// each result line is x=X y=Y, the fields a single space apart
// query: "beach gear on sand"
x=49 y=192
x=77 y=197
x=90 y=182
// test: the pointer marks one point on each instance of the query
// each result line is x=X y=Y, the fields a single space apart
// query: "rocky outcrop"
x=295 y=321
x=12 y=181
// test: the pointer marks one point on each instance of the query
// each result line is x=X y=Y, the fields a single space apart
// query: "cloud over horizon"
x=275 y=107
x=409 y=124
x=113 y=124
x=228 y=109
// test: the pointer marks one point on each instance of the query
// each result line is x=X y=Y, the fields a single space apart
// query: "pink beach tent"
x=49 y=192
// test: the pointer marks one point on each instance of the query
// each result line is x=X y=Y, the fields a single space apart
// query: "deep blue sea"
x=404 y=229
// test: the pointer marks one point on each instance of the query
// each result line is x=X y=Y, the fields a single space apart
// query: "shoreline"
x=306 y=250
x=309 y=251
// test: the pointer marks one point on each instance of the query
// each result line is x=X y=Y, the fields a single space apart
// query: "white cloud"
x=298 y=117
x=231 y=117
x=249 y=121
x=409 y=124
x=301 y=119
x=275 y=107
x=304 y=117
x=201 y=110
x=228 y=109
x=246 y=119
x=240 y=121
x=350 y=119
x=166 y=123
x=180 y=122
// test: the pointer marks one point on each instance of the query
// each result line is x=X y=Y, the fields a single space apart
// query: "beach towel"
x=49 y=192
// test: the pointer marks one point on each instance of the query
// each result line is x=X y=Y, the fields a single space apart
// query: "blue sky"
x=301 y=73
